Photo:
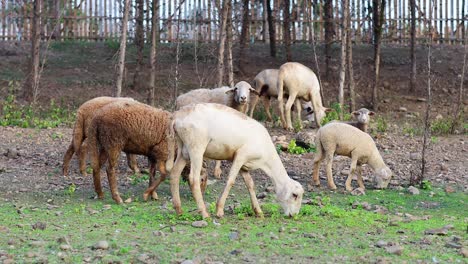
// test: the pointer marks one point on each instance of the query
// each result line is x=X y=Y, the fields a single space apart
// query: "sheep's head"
x=363 y=115
x=382 y=177
x=290 y=197
x=242 y=92
x=310 y=115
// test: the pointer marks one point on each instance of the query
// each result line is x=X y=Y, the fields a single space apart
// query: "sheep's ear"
x=371 y=113
x=356 y=113
x=231 y=90
x=328 y=110
x=254 y=91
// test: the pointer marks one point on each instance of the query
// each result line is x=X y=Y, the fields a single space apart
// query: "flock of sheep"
x=212 y=124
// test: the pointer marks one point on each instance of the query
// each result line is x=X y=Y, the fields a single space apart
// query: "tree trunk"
x=222 y=40
x=287 y=29
x=265 y=22
x=32 y=86
x=230 y=67
x=329 y=32
x=457 y=114
x=154 y=42
x=344 y=38
x=378 y=12
x=139 y=43
x=244 y=34
x=123 y=47
x=413 y=55
x=349 y=62
x=271 y=29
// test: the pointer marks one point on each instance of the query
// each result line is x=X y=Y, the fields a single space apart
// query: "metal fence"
x=98 y=20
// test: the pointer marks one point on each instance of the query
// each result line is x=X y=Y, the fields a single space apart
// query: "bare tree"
x=123 y=47
x=329 y=32
x=230 y=67
x=32 y=86
x=154 y=44
x=265 y=21
x=344 y=33
x=349 y=62
x=457 y=114
x=413 y=55
x=271 y=29
x=139 y=43
x=378 y=8
x=222 y=40
x=287 y=29
x=244 y=34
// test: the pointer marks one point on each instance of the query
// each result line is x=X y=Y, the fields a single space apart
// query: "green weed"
x=441 y=126
x=381 y=124
x=295 y=149
x=335 y=114
x=138 y=178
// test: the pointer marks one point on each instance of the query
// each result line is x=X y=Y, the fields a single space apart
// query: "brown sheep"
x=134 y=128
x=79 y=143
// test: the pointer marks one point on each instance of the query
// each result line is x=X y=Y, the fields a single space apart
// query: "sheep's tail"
x=318 y=144
x=78 y=132
x=93 y=143
x=280 y=88
x=170 y=135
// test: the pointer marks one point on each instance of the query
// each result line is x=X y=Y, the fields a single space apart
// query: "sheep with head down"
x=79 y=144
x=134 y=128
x=237 y=98
x=346 y=140
x=235 y=137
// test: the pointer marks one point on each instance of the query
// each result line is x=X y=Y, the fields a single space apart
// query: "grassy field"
x=332 y=227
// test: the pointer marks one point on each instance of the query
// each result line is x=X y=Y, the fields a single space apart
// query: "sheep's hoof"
x=259 y=214
x=349 y=189
x=154 y=195
x=332 y=187
x=100 y=196
x=118 y=200
x=217 y=173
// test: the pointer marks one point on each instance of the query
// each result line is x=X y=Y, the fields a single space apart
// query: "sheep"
x=134 y=128
x=362 y=117
x=236 y=137
x=265 y=84
x=298 y=81
x=346 y=140
x=79 y=143
x=237 y=98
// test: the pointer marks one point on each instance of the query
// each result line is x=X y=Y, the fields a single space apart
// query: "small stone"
x=413 y=190
x=281 y=138
x=158 y=233
x=358 y=191
x=63 y=240
x=273 y=236
x=453 y=245
x=106 y=207
x=281 y=229
x=270 y=189
x=11 y=153
x=439 y=117
x=200 y=224
x=438 y=231
x=449 y=189
x=386 y=100
x=395 y=249
x=233 y=235
x=381 y=244
x=101 y=245
x=37 y=243
x=310 y=235
x=293 y=230
x=187 y=261
x=345 y=172
x=443 y=167
x=65 y=247
x=262 y=195
x=403 y=109
x=386 y=85
x=456 y=239
x=463 y=252
x=421 y=99
x=11 y=242
x=415 y=155
x=172 y=228
x=129 y=200
x=39 y=225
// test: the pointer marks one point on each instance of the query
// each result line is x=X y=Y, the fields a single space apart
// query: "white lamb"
x=237 y=98
x=298 y=81
x=235 y=137
x=346 y=140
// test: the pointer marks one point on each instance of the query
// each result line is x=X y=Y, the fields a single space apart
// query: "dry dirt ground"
x=30 y=159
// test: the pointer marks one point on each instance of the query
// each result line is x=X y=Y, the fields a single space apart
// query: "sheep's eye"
x=295 y=196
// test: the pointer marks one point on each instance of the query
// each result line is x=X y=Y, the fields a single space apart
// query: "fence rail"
x=100 y=20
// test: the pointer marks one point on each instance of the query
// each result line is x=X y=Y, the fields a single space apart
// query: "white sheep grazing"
x=235 y=137
x=237 y=98
x=346 y=140
x=298 y=81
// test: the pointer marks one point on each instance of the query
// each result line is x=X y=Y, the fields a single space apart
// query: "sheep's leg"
x=155 y=183
x=217 y=170
x=315 y=175
x=253 y=104
x=203 y=178
x=132 y=163
x=81 y=153
x=179 y=165
x=313 y=100
x=352 y=170
x=266 y=105
x=152 y=174
x=298 y=109
x=289 y=103
x=66 y=159
x=359 y=177
x=236 y=166
x=196 y=162
x=253 y=197
x=113 y=158
x=329 y=163
x=96 y=165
